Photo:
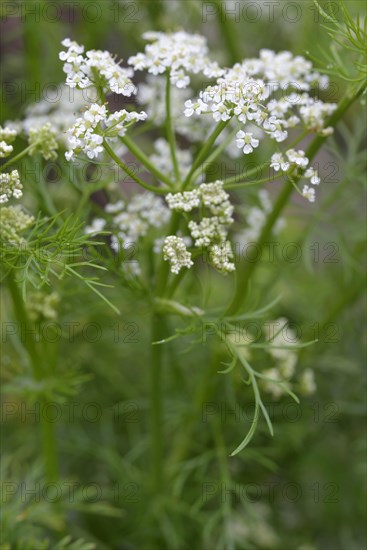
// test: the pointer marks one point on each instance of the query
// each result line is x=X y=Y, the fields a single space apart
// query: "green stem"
x=249 y=174
x=130 y=173
x=217 y=151
x=49 y=446
x=164 y=268
x=141 y=156
x=249 y=183
x=156 y=402
x=204 y=152
x=227 y=29
x=175 y=283
x=169 y=129
x=246 y=269
x=17 y=157
x=47 y=428
x=23 y=321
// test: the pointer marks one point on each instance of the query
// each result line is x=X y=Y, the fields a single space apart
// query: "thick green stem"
x=246 y=269
x=228 y=30
x=138 y=153
x=156 y=393
x=49 y=446
x=25 y=327
x=169 y=128
x=47 y=428
x=126 y=169
x=156 y=406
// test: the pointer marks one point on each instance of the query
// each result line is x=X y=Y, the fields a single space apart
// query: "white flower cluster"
x=41 y=306
x=13 y=221
x=210 y=232
x=184 y=202
x=88 y=132
x=135 y=219
x=285 y=69
x=97 y=68
x=221 y=256
x=118 y=122
x=131 y=221
x=314 y=113
x=246 y=93
x=297 y=159
x=59 y=112
x=82 y=136
x=151 y=211
x=97 y=225
x=256 y=217
x=175 y=251
x=43 y=140
x=162 y=159
x=7 y=136
x=10 y=186
x=179 y=53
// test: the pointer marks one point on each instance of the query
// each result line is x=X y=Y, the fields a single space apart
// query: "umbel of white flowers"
x=96 y=124
x=257 y=98
x=96 y=68
x=209 y=233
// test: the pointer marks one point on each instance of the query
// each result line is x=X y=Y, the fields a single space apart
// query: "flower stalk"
x=48 y=435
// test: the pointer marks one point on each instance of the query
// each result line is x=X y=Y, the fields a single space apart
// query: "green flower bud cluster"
x=43 y=140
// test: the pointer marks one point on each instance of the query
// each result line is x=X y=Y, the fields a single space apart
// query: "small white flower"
x=309 y=193
x=115 y=207
x=245 y=112
x=5 y=149
x=297 y=157
x=97 y=226
x=198 y=107
x=220 y=112
x=246 y=142
x=180 y=79
x=7 y=134
x=278 y=162
x=312 y=175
